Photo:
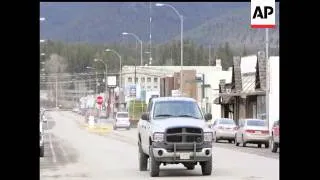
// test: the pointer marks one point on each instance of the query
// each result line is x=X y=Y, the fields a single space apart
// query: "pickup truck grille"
x=184 y=135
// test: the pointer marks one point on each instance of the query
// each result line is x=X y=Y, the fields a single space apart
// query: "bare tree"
x=54 y=65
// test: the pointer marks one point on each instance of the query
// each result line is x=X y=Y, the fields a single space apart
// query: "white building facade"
x=148 y=78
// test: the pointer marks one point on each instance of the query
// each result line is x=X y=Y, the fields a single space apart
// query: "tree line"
x=75 y=57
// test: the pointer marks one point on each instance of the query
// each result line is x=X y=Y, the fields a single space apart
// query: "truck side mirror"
x=208 y=116
x=145 y=116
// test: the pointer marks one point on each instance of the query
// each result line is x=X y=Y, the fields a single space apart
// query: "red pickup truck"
x=275 y=136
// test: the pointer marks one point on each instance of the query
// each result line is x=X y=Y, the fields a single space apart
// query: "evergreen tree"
x=244 y=51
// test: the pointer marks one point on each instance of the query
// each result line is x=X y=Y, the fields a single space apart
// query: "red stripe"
x=263 y=26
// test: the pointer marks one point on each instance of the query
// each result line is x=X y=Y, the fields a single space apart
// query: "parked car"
x=121 y=120
x=41 y=139
x=224 y=129
x=75 y=110
x=43 y=117
x=275 y=136
x=254 y=131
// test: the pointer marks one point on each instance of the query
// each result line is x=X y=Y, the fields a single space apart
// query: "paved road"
x=73 y=153
x=251 y=148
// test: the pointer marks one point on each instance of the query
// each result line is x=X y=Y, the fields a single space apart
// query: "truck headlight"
x=207 y=136
x=158 y=137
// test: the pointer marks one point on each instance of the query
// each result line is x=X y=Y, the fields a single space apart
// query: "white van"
x=122 y=120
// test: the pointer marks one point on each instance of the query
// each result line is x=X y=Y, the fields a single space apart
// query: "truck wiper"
x=186 y=115
x=164 y=115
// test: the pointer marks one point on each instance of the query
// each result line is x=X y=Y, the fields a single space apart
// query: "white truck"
x=174 y=131
x=151 y=94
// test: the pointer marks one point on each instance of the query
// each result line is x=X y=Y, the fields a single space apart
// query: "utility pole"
x=150 y=29
x=267 y=77
x=181 y=54
x=96 y=84
x=171 y=57
x=56 y=90
x=135 y=74
x=78 y=91
x=202 y=88
x=209 y=55
x=106 y=83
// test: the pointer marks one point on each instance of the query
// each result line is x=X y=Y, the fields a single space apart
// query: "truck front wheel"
x=154 y=165
x=206 y=167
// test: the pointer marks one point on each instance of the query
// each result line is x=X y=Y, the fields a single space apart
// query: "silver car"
x=41 y=140
x=122 y=120
x=254 y=131
x=224 y=129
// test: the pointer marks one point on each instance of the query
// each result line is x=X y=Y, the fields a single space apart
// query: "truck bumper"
x=182 y=152
x=122 y=125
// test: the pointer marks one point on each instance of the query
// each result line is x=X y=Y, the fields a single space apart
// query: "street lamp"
x=120 y=81
x=138 y=39
x=42 y=19
x=181 y=38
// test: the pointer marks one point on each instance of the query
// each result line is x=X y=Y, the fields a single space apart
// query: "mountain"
x=103 y=22
x=234 y=28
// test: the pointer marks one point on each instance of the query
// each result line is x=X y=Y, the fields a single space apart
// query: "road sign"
x=132 y=90
x=99 y=100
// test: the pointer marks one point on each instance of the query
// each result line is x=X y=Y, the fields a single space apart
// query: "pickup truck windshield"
x=167 y=109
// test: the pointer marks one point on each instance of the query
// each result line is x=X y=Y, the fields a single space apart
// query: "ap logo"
x=263 y=14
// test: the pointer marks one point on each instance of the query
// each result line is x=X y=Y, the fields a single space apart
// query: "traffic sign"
x=99 y=100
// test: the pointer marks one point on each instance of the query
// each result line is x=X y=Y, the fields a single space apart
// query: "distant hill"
x=205 y=23
x=234 y=27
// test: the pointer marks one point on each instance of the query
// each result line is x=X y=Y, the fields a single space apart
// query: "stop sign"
x=99 y=99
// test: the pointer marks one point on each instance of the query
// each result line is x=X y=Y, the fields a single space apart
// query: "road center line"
x=54 y=159
x=64 y=152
